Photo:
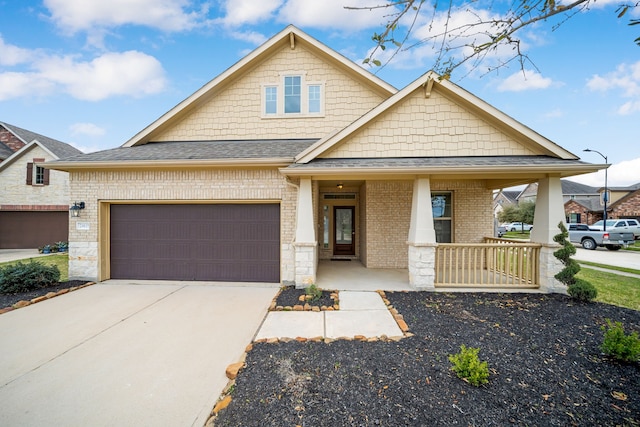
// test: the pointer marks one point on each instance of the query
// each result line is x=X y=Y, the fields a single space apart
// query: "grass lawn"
x=60 y=259
x=613 y=289
x=634 y=247
x=516 y=235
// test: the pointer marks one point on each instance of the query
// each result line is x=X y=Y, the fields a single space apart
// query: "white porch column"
x=305 y=244
x=422 y=237
x=549 y=212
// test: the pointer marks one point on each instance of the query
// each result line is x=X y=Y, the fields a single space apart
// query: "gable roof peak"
x=291 y=36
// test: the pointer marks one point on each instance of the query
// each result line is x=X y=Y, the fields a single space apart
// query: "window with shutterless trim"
x=293 y=96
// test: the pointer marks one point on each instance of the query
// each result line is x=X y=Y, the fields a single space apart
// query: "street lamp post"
x=606 y=194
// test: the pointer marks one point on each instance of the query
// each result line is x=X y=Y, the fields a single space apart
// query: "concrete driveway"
x=124 y=354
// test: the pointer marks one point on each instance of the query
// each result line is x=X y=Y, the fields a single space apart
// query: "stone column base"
x=422 y=266
x=83 y=261
x=306 y=263
x=549 y=267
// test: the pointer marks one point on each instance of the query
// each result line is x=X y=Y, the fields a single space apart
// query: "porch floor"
x=353 y=276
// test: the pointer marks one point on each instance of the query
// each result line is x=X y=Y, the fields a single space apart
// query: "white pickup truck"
x=591 y=239
x=631 y=225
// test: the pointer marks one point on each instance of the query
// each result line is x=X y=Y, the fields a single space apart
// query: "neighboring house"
x=624 y=202
x=503 y=199
x=581 y=202
x=34 y=201
x=296 y=155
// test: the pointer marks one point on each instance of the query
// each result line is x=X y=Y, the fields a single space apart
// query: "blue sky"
x=93 y=73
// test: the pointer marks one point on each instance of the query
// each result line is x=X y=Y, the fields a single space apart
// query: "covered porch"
x=395 y=238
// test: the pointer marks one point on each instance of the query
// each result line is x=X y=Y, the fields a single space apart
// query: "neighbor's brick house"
x=34 y=201
x=296 y=155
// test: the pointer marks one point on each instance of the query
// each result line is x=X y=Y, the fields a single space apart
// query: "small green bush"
x=619 y=345
x=21 y=277
x=314 y=292
x=468 y=366
x=582 y=290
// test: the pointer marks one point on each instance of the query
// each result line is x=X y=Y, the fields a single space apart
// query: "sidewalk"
x=362 y=313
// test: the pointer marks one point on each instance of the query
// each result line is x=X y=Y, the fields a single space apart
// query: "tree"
x=523 y=212
x=468 y=32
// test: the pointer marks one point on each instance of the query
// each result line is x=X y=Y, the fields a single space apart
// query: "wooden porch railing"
x=498 y=263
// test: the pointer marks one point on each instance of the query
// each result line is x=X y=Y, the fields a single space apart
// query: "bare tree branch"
x=471 y=40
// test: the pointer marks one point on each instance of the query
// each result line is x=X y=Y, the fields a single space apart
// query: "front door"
x=344 y=230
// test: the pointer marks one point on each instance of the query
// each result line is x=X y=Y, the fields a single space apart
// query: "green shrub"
x=582 y=290
x=619 y=345
x=22 y=277
x=576 y=288
x=468 y=366
x=314 y=292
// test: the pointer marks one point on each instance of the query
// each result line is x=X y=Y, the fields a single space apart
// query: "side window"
x=271 y=100
x=37 y=175
x=292 y=94
x=314 y=98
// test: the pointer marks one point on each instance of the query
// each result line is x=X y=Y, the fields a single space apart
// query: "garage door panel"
x=196 y=242
x=32 y=229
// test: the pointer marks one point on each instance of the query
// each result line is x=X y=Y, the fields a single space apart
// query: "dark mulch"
x=290 y=296
x=543 y=352
x=7 y=300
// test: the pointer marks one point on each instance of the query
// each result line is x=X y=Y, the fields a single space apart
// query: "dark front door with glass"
x=344 y=230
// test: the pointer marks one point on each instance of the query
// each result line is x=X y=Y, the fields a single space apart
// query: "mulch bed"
x=289 y=296
x=543 y=351
x=7 y=300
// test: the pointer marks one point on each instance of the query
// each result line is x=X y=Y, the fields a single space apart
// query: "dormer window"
x=299 y=97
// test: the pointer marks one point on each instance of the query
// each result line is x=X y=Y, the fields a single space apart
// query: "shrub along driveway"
x=118 y=353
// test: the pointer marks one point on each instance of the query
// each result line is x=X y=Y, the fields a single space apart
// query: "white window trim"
x=304 y=97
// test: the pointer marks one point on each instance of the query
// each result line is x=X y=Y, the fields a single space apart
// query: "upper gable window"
x=293 y=96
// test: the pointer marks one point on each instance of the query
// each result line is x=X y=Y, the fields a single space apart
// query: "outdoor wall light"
x=75 y=209
x=339 y=186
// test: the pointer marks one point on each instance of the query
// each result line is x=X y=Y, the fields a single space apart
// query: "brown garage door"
x=31 y=229
x=196 y=242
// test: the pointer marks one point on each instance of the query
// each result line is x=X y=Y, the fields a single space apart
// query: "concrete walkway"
x=17 y=254
x=120 y=354
x=361 y=313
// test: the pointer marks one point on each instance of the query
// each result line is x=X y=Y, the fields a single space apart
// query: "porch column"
x=305 y=245
x=422 y=237
x=549 y=212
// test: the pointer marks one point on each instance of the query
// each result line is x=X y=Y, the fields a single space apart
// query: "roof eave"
x=169 y=164
x=566 y=170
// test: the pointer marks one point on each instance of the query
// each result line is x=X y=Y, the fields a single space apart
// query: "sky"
x=93 y=73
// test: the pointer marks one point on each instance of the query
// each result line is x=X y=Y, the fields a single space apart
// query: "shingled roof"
x=58 y=148
x=283 y=149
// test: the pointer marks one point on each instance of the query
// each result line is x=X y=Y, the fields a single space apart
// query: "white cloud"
x=248 y=36
x=16 y=85
x=524 y=80
x=626 y=80
x=88 y=129
x=13 y=55
x=82 y=15
x=130 y=73
x=619 y=175
x=240 y=12
x=333 y=14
